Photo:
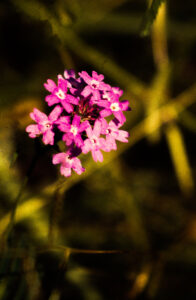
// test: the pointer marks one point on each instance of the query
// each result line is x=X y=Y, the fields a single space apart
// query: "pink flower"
x=94 y=143
x=95 y=84
x=44 y=124
x=116 y=90
x=108 y=96
x=67 y=163
x=114 y=107
x=111 y=94
x=59 y=94
x=73 y=131
x=113 y=133
x=78 y=119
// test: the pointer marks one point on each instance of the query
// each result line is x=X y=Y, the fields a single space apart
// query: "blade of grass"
x=158 y=93
x=180 y=158
x=150 y=16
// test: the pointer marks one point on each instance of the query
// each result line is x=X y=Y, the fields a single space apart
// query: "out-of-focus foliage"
x=150 y=16
x=126 y=228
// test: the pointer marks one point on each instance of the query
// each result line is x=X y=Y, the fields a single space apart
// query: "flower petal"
x=119 y=115
x=58 y=158
x=38 y=116
x=68 y=138
x=76 y=121
x=86 y=91
x=105 y=112
x=33 y=130
x=55 y=113
x=122 y=136
x=83 y=126
x=79 y=141
x=65 y=171
x=124 y=105
x=97 y=155
x=77 y=166
x=52 y=99
x=110 y=143
x=48 y=137
x=87 y=146
x=62 y=84
x=72 y=99
x=67 y=106
x=97 y=128
x=50 y=85
x=89 y=131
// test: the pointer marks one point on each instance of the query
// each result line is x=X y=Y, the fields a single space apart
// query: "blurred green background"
x=126 y=228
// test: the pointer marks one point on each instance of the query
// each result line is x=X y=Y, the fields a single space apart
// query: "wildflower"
x=95 y=84
x=78 y=118
x=113 y=133
x=114 y=107
x=94 y=142
x=73 y=131
x=59 y=94
x=44 y=124
x=67 y=163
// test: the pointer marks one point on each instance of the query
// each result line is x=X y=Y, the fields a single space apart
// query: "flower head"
x=81 y=105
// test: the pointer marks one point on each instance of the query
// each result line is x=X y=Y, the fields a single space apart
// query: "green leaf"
x=150 y=16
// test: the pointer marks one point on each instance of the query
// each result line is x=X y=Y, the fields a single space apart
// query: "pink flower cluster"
x=81 y=105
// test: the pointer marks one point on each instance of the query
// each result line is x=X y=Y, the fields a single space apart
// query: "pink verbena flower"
x=59 y=94
x=94 y=142
x=78 y=119
x=67 y=163
x=116 y=90
x=44 y=124
x=111 y=94
x=114 y=107
x=113 y=133
x=73 y=131
x=95 y=84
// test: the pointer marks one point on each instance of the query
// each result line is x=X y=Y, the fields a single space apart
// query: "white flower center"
x=115 y=106
x=74 y=130
x=47 y=125
x=95 y=140
x=68 y=159
x=60 y=94
x=106 y=96
x=94 y=83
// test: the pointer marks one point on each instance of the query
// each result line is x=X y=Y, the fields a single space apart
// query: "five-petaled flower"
x=94 y=85
x=73 y=131
x=113 y=133
x=44 y=124
x=67 y=163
